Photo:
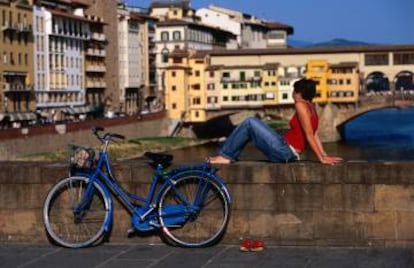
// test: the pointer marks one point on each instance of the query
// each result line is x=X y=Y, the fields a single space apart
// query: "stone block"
x=404 y=230
x=394 y=198
x=358 y=197
x=282 y=226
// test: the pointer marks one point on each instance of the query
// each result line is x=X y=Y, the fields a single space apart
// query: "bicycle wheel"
x=73 y=229
x=193 y=212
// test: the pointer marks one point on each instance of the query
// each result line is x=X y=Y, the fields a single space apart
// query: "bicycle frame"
x=110 y=182
x=143 y=216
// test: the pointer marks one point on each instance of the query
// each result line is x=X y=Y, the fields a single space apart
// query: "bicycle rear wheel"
x=194 y=212
x=70 y=228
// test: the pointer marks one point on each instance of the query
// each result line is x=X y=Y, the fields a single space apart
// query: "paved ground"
x=218 y=256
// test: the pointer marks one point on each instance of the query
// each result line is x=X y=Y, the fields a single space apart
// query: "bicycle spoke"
x=69 y=227
x=205 y=219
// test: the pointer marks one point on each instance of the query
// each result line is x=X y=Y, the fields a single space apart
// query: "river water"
x=380 y=135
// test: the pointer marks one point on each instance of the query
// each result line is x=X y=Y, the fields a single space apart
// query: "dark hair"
x=306 y=87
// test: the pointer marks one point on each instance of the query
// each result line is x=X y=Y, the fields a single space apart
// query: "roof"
x=272 y=25
x=314 y=50
x=141 y=16
x=177 y=22
x=185 y=4
x=70 y=15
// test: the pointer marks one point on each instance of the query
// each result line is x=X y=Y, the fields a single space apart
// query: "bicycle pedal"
x=131 y=232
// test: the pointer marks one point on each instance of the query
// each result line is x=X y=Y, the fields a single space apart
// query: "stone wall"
x=49 y=138
x=304 y=203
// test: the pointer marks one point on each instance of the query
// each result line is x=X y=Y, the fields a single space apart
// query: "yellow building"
x=16 y=68
x=335 y=82
x=317 y=70
x=343 y=82
x=177 y=85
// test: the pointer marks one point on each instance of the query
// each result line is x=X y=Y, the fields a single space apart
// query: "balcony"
x=98 y=37
x=15 y=87
x=9 y=26
x=96 y=68
x=95 y=84
x=96 y=52
x=25 y=28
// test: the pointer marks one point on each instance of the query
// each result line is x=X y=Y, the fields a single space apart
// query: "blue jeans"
x=273 y=145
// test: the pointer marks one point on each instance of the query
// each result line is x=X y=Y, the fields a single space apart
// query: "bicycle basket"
x=81 y=156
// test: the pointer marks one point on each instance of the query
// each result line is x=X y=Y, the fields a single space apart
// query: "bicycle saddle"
x=159 y=159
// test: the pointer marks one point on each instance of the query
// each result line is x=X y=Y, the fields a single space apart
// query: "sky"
x=371 y=21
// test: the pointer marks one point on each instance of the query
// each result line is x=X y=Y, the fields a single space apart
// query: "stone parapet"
x=303 y=203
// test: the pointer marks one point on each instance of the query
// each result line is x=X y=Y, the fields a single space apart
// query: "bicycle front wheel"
x=194 y=212
x=72 y=220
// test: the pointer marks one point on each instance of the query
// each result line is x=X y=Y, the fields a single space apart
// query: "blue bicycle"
x=189 y=205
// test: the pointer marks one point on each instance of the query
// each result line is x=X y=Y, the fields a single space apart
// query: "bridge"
x=332 y=115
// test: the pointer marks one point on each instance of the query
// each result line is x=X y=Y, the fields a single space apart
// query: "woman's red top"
x=295 y=136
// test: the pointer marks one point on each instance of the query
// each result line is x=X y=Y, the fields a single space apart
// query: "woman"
x=303 y=132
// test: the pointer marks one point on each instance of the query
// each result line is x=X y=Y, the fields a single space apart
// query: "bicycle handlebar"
x=107 y=136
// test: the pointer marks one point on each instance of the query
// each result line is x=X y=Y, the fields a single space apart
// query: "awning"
x=76 y=110
x=15 y=117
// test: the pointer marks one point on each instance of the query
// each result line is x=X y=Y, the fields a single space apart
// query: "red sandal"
x=245 y=245
x=257 y=245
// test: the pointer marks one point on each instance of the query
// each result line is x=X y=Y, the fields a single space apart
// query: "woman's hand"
x=330 y=160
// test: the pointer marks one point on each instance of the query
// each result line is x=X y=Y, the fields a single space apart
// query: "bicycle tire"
x=203 y=227
x=63 y=226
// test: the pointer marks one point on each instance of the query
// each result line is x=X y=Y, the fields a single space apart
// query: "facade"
x=17 y=101
x=134 y=60
x=178 y=28
x=107 y=10
x=95 y=66
x=61 y=32
x=251 y=32
x=222 y=80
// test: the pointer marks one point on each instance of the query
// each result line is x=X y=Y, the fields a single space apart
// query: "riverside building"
x=199 y=82
x=17 y=101
x=61 y=32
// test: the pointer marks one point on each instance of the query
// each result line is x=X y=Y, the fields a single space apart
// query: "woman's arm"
x=304 y=115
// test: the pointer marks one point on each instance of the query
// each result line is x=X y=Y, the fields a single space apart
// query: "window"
x=174 y=106
x=225 y=98
x=164 y=36
x=242 y=76
x=211 y=74
x=173 y=88
x=376 y=59
x=196 y=86
x=197 y=73
x=173 y=73
x=177 y=60
x=257 y=73
x=210 y=86
x=225 y=86
x=164 y=55
x=196 y=101
x=285 y=96
x=176 y=35
x=403 y=58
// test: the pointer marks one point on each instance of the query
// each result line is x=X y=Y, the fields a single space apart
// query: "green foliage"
x=125 y=150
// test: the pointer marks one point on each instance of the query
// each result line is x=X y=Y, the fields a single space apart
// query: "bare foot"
x=218 y=160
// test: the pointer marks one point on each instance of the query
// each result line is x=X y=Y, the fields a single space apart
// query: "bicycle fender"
x=108 y=197
x=108 y=222
x=205 y=174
